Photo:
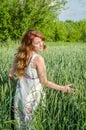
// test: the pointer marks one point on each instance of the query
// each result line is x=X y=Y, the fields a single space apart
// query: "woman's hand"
x=11 y=76
x=68 y=89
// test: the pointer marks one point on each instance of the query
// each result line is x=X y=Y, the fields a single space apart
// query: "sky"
x=75 y=10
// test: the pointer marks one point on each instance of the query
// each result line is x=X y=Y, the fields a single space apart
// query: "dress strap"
x=32 y=57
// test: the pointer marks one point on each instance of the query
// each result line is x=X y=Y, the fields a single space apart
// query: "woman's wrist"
x=64 y=88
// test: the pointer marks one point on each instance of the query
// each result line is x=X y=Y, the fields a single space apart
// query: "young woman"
x=31 y=70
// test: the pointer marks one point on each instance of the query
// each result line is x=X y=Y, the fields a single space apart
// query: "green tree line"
x=16 y=16
x=70 y=31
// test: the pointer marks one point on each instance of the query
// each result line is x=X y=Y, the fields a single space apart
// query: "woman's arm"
x=43 y=78
x=12 y=70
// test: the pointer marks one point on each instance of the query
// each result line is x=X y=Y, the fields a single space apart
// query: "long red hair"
x=21 y=55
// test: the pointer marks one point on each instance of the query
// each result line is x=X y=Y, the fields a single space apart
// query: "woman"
x=31 y=70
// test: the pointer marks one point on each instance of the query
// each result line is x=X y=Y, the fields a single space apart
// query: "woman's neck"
x=30 y=53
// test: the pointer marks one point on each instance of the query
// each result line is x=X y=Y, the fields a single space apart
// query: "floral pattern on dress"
x=27 y=96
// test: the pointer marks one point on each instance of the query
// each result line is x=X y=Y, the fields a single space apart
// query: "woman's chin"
x=41 y=49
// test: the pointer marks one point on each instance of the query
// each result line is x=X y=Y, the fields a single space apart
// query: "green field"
x=65 y=63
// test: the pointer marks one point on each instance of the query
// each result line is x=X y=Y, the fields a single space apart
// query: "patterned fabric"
x=27 y=96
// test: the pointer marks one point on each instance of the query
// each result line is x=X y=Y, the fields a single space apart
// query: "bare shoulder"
x=39 y=59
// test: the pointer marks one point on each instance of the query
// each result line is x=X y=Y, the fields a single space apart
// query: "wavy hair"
x=21 y=55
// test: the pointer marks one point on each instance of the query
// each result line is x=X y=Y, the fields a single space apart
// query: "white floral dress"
x=28 y=95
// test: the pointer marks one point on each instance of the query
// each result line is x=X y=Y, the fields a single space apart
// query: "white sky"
x=76 y=10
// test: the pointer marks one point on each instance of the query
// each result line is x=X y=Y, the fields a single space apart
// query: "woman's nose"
x=41 y=44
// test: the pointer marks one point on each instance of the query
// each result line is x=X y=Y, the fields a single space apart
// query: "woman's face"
x=37 y=44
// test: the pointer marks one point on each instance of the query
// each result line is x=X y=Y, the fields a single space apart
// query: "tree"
x=73 y=31
x=60 y=31
x=82 y=28
x=19 y=15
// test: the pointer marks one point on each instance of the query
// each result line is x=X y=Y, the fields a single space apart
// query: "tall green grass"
x=64 y=65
